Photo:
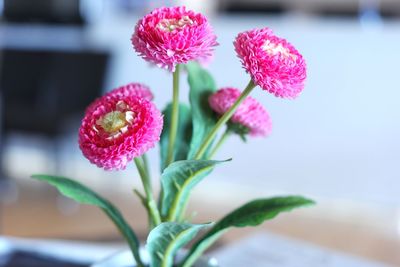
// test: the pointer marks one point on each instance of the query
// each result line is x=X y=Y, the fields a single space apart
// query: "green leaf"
x=183 y=135
x=177 y=181
x=202 y=85
x=167 y=238
x=250 y=214
x=84 y=195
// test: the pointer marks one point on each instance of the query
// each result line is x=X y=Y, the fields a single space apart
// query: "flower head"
x=250 y=115
x=272 y=62
x=119 y=127
x=173 y=35
x=131 y=89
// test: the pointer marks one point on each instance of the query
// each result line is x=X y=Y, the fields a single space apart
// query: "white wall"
x=338 y=139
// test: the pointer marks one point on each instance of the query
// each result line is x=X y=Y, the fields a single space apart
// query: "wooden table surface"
x=36 y=215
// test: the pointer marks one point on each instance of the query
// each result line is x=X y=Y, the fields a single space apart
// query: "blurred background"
x=337 y=143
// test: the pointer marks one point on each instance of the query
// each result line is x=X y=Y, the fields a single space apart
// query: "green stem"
x=227 y=115
x=144 y=203
x=146 y=165
x=141 y=197
x=222 y=140
x=174 y=116
x=151 y=204
x=198 y=249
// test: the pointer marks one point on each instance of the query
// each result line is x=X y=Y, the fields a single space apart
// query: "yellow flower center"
x=274 y=49
x=112 y=122
x=116 y=122
x=169 y=25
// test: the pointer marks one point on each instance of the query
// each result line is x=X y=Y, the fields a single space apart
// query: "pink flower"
x=132 y=89
x=250 y=114
x=272 y=62
x=173 y=35
x=119 y=127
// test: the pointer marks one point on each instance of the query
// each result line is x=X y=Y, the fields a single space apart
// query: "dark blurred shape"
x=43 y=11
x=29 y=259
x=44 y=92
x=344 y=9
x=42 y=89
x=271 y=7
x=274 y=8
x=344 y=12
x=391 y=12
x=2 y=176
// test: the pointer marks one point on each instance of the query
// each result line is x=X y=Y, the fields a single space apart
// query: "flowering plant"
x=124 y=124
